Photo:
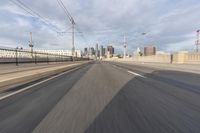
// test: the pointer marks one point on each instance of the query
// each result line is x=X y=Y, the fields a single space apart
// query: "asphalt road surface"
x=107 y=97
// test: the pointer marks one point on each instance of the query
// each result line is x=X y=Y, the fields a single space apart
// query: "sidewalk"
x=11 y=75
x=10 y=68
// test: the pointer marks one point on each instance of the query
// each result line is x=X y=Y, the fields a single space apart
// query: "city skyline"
x=99 y=66
x=167 y=24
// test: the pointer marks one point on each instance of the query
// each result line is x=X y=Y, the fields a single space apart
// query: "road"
x=107 y=97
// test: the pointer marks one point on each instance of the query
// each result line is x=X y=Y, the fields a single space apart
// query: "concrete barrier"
x=160 y=58
x=181 y=57
x=184 y=57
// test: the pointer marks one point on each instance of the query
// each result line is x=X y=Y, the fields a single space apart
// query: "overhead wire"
x=34 y=14
x=19 y=5
x=67 y=13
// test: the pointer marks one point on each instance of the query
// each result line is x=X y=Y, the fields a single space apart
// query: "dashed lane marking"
x=136 y=74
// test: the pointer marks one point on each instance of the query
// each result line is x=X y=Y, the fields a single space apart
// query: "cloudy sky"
x=170 y=24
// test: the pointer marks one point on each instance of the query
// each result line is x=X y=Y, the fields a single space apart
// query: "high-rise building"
x=92 y=52
x=101 y=51
x=111 y=50
x=85 y=51
x=104 y=51
x=149 y=50
x=97 y=51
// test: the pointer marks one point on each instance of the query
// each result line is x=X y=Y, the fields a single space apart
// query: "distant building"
x=104 y=51
x=149 y=50
x=77 y=53
x=111 y=50
x=108 y=54
x=12 y=53
x=85 y=53
x=91 y=51
x=97 y=51
x=101 y=51
x=24 y=54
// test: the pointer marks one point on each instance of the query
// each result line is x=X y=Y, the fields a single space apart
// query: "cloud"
x=168 y=24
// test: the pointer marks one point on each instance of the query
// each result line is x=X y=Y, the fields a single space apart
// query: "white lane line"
x=136 y=74
x=26 y=88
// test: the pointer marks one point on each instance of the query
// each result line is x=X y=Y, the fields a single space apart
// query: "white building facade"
x=77 y=53
x=27 y=54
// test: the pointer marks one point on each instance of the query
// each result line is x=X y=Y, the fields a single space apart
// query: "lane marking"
x=136 y=74
x=28 y=87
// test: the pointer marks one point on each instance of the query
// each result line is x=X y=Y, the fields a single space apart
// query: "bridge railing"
x=18 y=56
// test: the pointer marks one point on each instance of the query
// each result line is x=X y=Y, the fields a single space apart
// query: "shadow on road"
x=23 y=112
x=164 y=102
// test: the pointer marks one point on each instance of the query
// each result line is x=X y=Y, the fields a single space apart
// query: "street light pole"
x=73 y=23
x=16 y=56
x=125 y=45
x=31 y=44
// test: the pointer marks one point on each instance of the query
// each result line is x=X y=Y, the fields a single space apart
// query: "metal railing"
x=18 y=56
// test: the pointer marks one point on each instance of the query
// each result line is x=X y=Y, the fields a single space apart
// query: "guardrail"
x=18 y=56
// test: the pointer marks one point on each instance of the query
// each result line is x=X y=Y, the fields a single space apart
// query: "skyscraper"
x=111 y=50
x=104 y=51
x=85 y=51
x=92 y=52
x=101 y=51
x=97 y=51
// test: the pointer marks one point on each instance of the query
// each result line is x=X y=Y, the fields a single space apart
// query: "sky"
x=170 y=25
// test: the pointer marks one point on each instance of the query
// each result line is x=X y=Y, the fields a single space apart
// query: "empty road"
x=107 y=97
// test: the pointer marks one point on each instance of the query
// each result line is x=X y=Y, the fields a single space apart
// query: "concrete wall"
x=184 y=57
x=193 y=58
x=160 y=58
x=181 y=57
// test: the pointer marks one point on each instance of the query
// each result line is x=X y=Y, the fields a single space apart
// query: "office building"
x=97 y=51
x=24 y=54
x=77 y=53
x=104 y=51
x=111 y=50
x=85 y=51
x=149 y=50
x=101 y=51
x=91 y=51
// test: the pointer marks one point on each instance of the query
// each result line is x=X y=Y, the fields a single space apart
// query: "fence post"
x=16 y=55
x=35 y=58
x=47 y=58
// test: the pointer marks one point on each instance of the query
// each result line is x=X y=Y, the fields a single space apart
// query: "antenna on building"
x=125 y=45
x=197 y=41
